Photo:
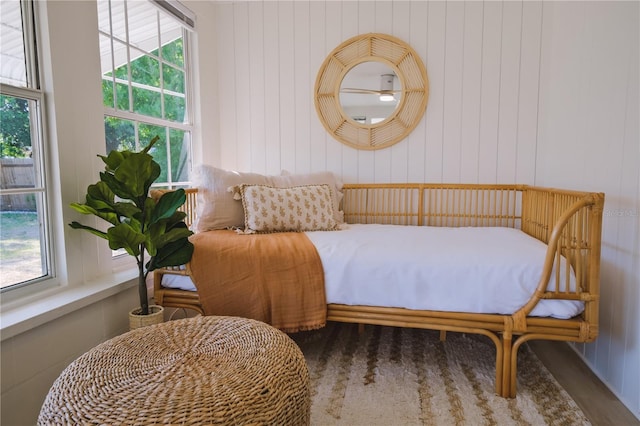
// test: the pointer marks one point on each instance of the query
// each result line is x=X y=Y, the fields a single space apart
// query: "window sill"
x=54 y=303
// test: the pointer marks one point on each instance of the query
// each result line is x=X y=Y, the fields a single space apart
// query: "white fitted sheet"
x=471 y=269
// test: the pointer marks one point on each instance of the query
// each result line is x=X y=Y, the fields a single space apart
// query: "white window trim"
x=43 y=179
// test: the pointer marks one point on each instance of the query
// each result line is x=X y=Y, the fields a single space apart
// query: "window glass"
x=179 y=155
x=144 y=73
x=120 y=134
x=13 y=69
x=24 y=239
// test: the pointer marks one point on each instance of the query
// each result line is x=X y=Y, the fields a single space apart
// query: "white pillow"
x=216 y=208
x=298 y=208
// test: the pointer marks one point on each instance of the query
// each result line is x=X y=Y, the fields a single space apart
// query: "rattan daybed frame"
x=569 y=222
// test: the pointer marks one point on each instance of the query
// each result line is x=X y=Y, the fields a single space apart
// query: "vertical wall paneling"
x=628 y=231
x=257 y=83
x=564 y=43
x=400 y=152
x=471 y=85
x=452 y=87
x=303 y=88
x=226 y=86
x=416 y=142
x=588 y=138
x=349 y=28
x=490 y=91
x=333 y=37
x=243 y=92
x=317 y=53
x=609 y=88
x=509 y=92
x=528 y=91
x=436 y=21
x=287 y=113
x=272 y=76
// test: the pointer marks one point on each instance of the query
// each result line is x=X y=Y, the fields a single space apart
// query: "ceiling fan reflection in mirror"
x=386 y=91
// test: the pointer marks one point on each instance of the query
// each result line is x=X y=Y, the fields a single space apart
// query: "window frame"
x=186 y=24
x=40 y=145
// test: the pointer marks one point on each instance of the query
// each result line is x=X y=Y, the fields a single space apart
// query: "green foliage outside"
x=15 y=130
x=146 y=70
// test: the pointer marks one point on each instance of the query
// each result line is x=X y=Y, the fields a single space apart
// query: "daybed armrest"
x=574 y=240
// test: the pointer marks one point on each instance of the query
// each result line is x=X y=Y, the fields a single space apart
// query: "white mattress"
x=471 y=269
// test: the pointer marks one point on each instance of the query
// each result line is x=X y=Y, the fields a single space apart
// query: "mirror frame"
x=411 y=73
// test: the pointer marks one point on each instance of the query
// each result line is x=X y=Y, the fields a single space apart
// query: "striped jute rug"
x=395 y=376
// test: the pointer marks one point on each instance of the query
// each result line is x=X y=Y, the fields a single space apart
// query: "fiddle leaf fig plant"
x=139 y=224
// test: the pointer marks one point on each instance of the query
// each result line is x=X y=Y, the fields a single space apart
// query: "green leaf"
x=124 y=236
x=168 y=204
x=155 y=172
x=100 y=197
x=173 y=254
x=76 y=225
x=119 y=188
x=113 y=159
x=83 y=208
x=176 y=218
x=110 y=217
x=135 y=173
x=153 y=233
x=171 y=236
x=126 y=209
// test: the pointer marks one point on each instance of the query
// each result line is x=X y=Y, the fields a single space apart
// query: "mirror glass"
x=370 y=92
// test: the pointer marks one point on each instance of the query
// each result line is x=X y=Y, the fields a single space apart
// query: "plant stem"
x=142 y=284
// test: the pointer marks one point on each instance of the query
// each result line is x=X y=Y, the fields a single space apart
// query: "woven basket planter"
x=156 y=316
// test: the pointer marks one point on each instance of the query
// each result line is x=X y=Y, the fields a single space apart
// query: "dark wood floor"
x=598 y=403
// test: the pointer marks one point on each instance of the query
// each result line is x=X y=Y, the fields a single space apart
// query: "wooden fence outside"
x=16 y=173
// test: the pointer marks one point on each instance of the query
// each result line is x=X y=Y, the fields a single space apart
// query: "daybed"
x=567 y=224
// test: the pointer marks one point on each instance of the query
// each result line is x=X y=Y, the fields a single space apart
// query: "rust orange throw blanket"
x=276 y=278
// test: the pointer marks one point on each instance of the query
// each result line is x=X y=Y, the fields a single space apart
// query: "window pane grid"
x=25 y=240
x=164 y=76
x=145 y=85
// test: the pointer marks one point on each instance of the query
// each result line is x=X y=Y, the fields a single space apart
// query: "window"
x=146 y=83
x=25 y=256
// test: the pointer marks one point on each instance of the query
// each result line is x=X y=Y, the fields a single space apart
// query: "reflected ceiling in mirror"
x=370 y=92
x=409 y=84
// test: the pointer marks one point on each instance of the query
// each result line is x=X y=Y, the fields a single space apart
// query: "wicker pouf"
x=203 y=370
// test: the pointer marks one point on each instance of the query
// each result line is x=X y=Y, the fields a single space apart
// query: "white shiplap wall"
x=589 y=115
x=512 y=84
x=482 y=61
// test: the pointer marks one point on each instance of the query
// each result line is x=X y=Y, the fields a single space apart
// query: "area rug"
x=401 y=376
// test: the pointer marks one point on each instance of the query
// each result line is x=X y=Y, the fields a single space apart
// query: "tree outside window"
x=145 y=84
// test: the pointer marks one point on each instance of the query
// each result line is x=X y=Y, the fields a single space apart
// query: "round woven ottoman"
x=202 y=370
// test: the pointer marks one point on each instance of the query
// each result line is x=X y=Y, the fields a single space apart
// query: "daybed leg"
x=443 y=335
x=505 y=390
x=360 y=328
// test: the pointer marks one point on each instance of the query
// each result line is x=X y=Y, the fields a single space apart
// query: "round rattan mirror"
x=412 y=91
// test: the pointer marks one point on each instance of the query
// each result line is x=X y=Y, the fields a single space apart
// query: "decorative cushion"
x=287 y=179
x=216 y=208
x=298 y=208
